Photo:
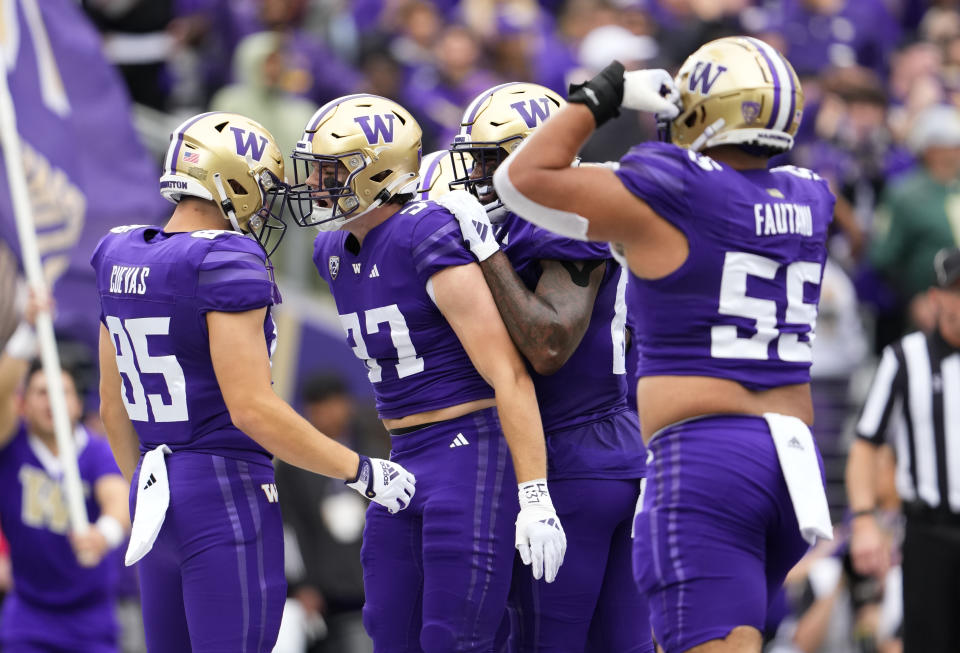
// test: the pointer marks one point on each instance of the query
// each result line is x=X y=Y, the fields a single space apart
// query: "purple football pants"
x=214 y=581
x=717 y=533
x=436 y=575
x=594 y=605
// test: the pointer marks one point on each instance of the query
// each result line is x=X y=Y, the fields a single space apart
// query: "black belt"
x=922 y=513
x=403 y=430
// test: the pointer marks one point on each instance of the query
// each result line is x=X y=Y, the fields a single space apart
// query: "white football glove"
x=474 y=224
x=540 y=537
x=652 y=91
x=384 y=482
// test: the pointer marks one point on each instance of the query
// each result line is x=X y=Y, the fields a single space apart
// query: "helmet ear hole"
x=237 y=187
x=380 y=176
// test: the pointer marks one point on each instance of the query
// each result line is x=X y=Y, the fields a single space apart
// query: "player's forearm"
x=554 y=145
x=860 y=481
x=279 y=429
x=522 y=428
x=534 y=325
x=121 y=435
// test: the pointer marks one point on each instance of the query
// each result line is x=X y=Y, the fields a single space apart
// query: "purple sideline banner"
x=88 y=172
x=85 y=167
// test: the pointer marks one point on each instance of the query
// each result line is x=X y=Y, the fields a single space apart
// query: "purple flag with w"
x=86 y=170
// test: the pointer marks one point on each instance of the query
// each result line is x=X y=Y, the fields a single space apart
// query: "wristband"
x=111 y=530
x=602 y=95
x=534 y=493
x=862 y=513
x=23 y=343
x=363 y=481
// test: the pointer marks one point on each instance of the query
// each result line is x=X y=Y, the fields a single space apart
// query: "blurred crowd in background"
x=881 y=80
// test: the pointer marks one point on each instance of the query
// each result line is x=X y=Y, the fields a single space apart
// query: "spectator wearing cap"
x=920 y=214
x=914 y=402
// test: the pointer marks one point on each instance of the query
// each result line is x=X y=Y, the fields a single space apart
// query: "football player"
x=726 y=258
x=64 y=592
x=185 y=345
x=562 y=301
x=450 y=386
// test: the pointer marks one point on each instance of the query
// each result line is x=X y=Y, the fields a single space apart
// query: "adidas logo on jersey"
x=794 y=443
x=374 y=272
x=459 y=441
x=150 y=481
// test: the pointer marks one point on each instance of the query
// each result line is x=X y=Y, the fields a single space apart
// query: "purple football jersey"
x=35 y=520
x=592 y=384
x=743 y=306
x=155 y=290
x=414 y=359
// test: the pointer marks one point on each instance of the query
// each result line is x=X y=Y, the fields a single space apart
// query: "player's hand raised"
x=384 y=482
x=652 y=91
x=474 y=224
x=540 y=537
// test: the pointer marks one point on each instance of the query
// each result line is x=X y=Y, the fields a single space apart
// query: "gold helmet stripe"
x=784 y=96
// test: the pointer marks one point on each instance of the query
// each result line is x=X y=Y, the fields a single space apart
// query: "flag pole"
x=30 y=256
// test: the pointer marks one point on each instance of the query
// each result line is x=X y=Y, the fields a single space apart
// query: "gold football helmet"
x=356 y=153
x=737 y=90
x=493 y=126
x=233 y=161
x=436 y=173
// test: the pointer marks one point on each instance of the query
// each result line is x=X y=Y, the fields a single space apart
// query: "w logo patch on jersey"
x=533 y=111
x=248 y=141
x=270 y=489
x=381 y=129
x=704 y=76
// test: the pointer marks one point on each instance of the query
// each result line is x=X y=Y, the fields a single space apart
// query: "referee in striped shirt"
x=914 y=404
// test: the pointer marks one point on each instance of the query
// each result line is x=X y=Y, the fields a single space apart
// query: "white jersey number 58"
x=734 y=301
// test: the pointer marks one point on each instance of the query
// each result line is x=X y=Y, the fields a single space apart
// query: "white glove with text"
x=540 y=537
x=384 y=482
x=474 y=223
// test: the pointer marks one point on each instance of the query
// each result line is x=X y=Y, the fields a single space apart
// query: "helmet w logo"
x=382 y=127
x=250 y=142
x=533 y=111
x=702 y=77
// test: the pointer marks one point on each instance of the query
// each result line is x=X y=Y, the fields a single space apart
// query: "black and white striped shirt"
x=914 y=404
